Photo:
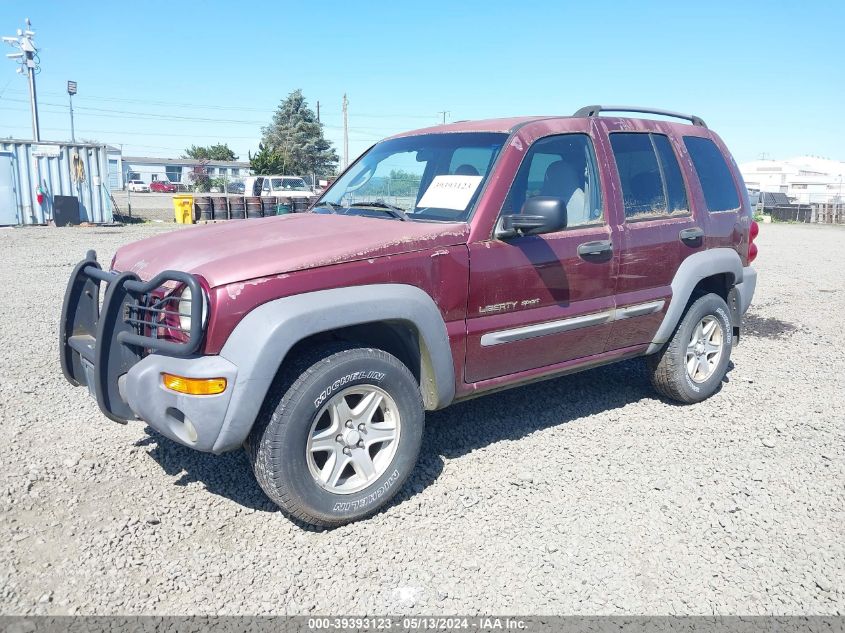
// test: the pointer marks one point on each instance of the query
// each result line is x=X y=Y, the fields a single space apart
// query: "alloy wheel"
x=704 y=349
x=353 y=439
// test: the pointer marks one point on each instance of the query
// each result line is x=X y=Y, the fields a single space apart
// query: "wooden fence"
x=816 y=213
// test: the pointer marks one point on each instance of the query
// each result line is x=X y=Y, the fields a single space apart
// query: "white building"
x=175 y=170
x=803 y=179
x=179 y=170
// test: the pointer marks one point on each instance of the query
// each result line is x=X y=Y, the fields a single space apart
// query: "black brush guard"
x=99 y=346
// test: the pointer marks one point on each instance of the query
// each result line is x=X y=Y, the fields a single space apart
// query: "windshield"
x=289 y=184
x=433 y=177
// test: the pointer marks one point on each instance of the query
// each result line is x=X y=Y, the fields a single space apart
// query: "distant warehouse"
x=175 y=170
x=803 y=180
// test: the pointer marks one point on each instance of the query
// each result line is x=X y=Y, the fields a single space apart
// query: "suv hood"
x=250 y=249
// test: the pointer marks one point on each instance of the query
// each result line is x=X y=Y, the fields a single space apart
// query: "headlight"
x=185 y=304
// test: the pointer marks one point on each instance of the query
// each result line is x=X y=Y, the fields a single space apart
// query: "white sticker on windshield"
x=450 y=192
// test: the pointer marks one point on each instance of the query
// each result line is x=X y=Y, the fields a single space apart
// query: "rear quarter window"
x=717 y=183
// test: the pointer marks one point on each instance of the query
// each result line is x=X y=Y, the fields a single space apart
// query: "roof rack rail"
x=594 y=110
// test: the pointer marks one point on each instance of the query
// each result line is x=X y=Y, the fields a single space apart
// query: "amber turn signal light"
x=194 y=386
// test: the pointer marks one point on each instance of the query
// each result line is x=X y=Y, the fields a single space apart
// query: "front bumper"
x=100 y=345
x=195 y=421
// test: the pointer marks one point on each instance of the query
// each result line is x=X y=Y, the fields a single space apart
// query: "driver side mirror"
x=540 y=214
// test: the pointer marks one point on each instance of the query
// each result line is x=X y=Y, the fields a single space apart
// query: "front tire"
x=339 y=434
x=691 y=366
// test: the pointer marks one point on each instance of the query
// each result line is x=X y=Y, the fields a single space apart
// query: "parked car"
x=236 y=187
x=528 y=248
x=162 y=186
x=138 y=186
x=280 y=186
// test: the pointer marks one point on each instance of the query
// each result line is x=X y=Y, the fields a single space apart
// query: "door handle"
x=690 y=236
x=595 y=249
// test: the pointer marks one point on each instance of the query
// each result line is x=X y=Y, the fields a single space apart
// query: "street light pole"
x=71 y=90
x=33 y=99
x=28 y=59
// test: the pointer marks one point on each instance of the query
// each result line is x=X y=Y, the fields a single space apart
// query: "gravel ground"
x=152 y=207
x=585 y=494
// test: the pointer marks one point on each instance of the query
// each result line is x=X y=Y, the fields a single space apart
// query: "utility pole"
x=71 y=90
x=444 y=113
x=314 y=172
x=345 y=132
x=28 y=59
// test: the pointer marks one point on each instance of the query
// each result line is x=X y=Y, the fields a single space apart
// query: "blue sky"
x=164 y=75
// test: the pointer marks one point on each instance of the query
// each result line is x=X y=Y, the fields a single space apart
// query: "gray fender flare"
x=263 y=338
x=692 y=270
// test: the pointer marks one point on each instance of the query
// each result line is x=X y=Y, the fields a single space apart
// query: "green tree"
x=220 y=151
x=403 y=183
x=297 y=135
x=199 y=176
x=267 y=161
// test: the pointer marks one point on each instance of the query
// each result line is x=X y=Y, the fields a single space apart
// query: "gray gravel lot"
x=585 y=494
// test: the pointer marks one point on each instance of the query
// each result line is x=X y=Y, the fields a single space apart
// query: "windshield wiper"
x=333 y=206
x=395 y=211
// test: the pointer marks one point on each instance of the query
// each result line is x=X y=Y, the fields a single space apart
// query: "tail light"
x=752 y=247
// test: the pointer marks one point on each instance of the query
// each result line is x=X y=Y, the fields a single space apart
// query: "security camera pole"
x=26 y=57
x=71 y=90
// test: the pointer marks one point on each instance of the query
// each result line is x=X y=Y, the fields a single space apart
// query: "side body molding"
x=263 y=338
x=692 y=270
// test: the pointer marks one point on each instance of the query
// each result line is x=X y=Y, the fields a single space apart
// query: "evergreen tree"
x=267 y=161
x=297 y=136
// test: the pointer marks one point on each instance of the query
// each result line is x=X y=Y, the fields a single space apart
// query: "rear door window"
x=652 y=184
x=713 y=173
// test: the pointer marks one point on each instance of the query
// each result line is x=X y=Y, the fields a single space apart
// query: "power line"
x=125 y=114
x=176 y=134
x=365 y=115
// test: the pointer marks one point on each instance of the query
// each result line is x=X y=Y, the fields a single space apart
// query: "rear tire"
x=339 y=434
x=691 y=366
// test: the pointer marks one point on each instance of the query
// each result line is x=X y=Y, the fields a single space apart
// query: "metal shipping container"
x=61 y=169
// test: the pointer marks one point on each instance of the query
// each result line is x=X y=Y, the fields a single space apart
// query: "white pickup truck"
x=280 y=186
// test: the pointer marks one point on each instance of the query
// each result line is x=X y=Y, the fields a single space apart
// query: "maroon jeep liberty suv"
x=444 y=263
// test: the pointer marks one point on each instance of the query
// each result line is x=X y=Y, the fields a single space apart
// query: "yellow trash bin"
x=183 y=208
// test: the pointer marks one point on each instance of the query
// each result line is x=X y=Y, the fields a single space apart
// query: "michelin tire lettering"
x=345 y=506
x=377 y=376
